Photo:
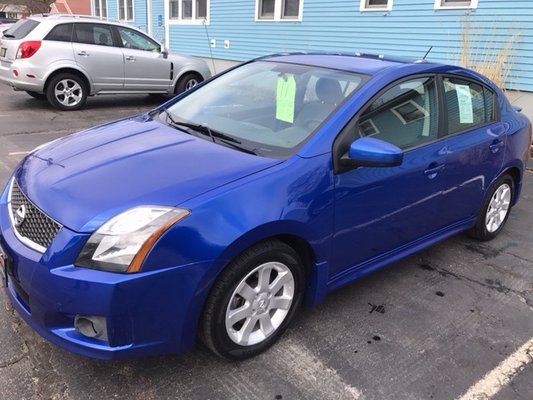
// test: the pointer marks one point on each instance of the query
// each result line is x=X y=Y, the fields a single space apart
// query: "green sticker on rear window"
x=285 y=98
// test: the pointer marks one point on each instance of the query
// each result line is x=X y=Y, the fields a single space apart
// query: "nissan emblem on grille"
x=19 y=216
x=32 y=226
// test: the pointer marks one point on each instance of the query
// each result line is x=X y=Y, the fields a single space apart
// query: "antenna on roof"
x=425 y=55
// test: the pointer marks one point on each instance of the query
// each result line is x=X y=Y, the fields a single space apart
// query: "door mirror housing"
x=164 y=52
x=371 y=152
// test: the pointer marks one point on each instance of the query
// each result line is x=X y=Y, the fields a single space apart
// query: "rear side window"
x=61 y=33
x=21 y=29
x=93 y=34
x=469 y=104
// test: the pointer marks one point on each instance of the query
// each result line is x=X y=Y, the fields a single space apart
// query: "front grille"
x=29 y=222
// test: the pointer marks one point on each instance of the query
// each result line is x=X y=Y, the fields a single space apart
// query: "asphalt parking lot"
x=429 y=327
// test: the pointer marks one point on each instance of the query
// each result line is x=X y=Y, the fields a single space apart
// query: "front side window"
x=125 y=10
x=405 y=115
x=93 y=34
x=271 y=108
x=188 y=10
x=376 y=5
x=134 y=40
x=100 y=8
x=279 y=9
x=469 y=104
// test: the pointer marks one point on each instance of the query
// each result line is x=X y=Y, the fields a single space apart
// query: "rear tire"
x=253 y=301
x=37 y=95
x=187 y=81
x=67 y=92
x=495 y=211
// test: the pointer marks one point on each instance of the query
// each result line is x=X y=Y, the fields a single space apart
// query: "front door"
x=96 y=53
x=379 y=209
x=145 y=67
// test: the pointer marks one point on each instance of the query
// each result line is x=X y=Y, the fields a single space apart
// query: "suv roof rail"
x=75 y=16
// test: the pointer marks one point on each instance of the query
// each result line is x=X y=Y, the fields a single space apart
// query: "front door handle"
x=130 y=58
x=83 y=54
x=496 y=145
x=433 y=170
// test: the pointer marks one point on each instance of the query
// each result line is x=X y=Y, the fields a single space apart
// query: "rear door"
x=96 y=51
x=145 y=68
x=475 y=141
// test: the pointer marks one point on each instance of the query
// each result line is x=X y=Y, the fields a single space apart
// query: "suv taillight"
x=28 y=49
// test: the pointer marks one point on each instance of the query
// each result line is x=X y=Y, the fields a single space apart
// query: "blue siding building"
x=238 y=30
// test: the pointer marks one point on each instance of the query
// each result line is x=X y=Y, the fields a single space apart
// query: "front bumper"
x=147 y=313
x=29 y=77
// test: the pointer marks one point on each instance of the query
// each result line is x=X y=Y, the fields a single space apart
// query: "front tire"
x=253 y=301
x=187 y=81
x=495 y=211
x=66 y=92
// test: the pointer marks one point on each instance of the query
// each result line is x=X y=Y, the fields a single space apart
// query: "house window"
x=174 y=7
x=100 y=8
x=125 y=10
x=276 y=10
x=188 y=10
x=439 y=4
x=376 y=5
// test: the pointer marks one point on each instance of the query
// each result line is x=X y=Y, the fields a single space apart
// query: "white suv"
x=66 y=58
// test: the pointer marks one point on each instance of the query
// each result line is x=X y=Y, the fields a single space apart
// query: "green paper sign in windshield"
x=285 y=98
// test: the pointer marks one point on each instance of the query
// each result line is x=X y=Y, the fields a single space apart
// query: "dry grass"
x=482 y=52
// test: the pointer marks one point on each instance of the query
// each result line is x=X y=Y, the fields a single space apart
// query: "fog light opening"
x=91 y=326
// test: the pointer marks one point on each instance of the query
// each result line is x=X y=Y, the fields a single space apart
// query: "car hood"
x=84 y=179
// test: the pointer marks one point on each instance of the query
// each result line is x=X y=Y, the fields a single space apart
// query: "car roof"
x=369 y=64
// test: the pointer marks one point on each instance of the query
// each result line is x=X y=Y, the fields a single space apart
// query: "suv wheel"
x=253 y=301
x=187 y=81
x=66 y=92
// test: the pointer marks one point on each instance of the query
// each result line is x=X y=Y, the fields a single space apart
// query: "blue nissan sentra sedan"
x=218 y=214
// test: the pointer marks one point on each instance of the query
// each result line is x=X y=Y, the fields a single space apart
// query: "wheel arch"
x=295 y=238
x=69 y=70
x=516 y=173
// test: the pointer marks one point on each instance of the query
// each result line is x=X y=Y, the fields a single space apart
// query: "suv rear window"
x=21 y=29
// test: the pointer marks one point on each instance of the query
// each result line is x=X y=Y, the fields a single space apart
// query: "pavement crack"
x=13 y=361
x=492 y=284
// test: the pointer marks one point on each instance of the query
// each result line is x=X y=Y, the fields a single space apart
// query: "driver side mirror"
x=164 y=52
x=371 y=152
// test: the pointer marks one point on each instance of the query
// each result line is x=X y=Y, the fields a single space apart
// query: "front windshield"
x=270 y=108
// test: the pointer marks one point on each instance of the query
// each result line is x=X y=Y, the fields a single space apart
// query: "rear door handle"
x=495 y=146
x=83 y=54
x=130 y=58
x=433 y=170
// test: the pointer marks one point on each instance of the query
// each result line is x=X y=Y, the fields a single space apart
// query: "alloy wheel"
x=68 y=92
x=498 y=208
x=260 y=304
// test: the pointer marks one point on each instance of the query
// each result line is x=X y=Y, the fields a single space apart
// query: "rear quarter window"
x=21 y=29
x=61 y=33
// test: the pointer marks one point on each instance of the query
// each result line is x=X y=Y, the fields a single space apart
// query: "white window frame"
x=126 y=10
x=278 y=11
x=364 y=8
x=188 y=21
x=100 y=4
x=440 y=6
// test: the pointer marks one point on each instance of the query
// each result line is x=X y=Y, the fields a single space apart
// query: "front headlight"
x=123 y=242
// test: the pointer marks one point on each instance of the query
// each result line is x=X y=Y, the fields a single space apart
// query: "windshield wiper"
x=214 y=135
x=8 y=35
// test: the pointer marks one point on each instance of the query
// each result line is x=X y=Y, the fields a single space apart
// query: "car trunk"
x=12 y=38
